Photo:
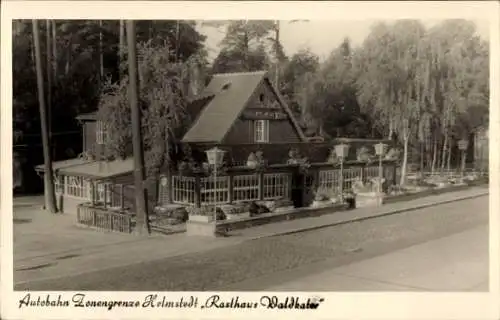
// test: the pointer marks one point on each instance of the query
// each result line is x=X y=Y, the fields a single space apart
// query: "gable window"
x=261 y=130
x=101 y=134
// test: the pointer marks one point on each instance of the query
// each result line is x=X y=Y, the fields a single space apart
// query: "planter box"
x=199 y=218
x=198 y=228
x=237 y=216
x=284 y=209
x=227 y=226
x=372 y=199
x=321 y=204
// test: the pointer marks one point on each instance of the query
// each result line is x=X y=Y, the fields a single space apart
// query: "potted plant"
x=252 y=161
x=392 y=154
x=293 y=156
x=235 y=211
x=282 y=205
x=202 y=214
x=332 y=157
x=321 y=198
x=363 y=155
x=370 y=194
x=256 y=209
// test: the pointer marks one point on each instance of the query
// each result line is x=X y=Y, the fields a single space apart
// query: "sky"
x=320 y=36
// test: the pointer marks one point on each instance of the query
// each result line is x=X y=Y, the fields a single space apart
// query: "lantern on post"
x=342 y=151
x=463 y=144
x=214 y=158
x=380 y=151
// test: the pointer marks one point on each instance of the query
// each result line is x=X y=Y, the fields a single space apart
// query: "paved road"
x=273 y=262
x=453 y=263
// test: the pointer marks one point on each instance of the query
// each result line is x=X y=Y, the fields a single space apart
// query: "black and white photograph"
x=249 y=155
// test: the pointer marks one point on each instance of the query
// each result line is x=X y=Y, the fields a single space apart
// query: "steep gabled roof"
x=231 y=93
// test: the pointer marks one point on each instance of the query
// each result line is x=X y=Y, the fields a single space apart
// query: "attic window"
x=226 y=86
x=261 y=97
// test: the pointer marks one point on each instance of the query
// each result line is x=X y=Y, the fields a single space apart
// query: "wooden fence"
x=104 y=219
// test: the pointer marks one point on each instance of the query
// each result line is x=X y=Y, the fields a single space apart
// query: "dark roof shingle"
x=231 y=93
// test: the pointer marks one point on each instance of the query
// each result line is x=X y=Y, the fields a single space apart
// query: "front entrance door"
x=302 y=189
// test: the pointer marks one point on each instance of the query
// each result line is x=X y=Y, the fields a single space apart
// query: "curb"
x=382 y=214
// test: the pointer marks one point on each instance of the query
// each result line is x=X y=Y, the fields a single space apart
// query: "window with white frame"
x=350 y=175
x=371 y=172
x=329 y=179
x=245 y=188
x=183 y=189
x=261 y=130
x=76 y=186
x=59 y=184
x=276 y=186
x=214 y=191
x=101 y=134
x=101 y=189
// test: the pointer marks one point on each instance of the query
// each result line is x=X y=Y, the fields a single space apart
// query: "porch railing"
x=104 y=219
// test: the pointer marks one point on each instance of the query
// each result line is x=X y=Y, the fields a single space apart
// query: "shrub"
x=256 y=209
x=180 y=214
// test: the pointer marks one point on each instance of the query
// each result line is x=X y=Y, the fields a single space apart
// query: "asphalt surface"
x=268 y=262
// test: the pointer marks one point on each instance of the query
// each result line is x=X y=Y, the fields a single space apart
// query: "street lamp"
x=215 y=157
x=380 y=150
x=462 y=145
x=342 y=150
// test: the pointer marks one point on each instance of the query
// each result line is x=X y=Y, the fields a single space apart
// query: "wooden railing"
x=104 y=219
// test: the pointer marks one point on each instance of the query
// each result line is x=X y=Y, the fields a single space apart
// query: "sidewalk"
x=306 y=224
x=50 y=245
x=53 y=246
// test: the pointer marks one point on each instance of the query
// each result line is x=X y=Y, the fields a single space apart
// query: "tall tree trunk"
x=121 y=47
x=422 y=156
x=50 y=197
x=277 y=67
x=142 y=225
x=101 y=56
x=33 y=60
x=391 y=129
x=438 y=162
x=448 y=161
x=443 y=154
x=168 y=169
x=434 y=155
x=246 y=48
x=54 y=48
x=405 y=161
x=68 y=57
x=48 y=67
x=177 y=39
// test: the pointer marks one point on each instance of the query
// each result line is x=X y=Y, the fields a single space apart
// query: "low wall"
x=243 y=223
x=426 y=193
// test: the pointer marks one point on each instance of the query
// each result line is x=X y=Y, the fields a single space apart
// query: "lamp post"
x=215 y=157
x=342 y=150
x=380 y=150
x=462 y=145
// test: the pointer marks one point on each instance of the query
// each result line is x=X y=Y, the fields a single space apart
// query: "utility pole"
x=142 y=225
x=50 y=198
x=49 y=80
